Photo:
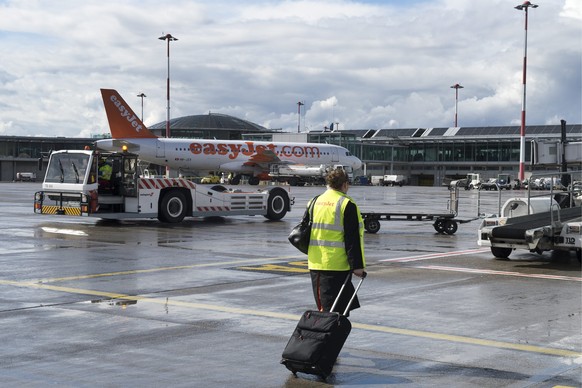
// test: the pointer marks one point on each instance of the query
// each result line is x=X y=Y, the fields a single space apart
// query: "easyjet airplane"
x=252 y=158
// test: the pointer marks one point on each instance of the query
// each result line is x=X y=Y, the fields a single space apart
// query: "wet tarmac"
x=212 y=302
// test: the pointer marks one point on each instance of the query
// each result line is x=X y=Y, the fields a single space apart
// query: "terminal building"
x=426 y=156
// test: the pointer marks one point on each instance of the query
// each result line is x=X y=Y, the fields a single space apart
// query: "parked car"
x=504 y=182
x=490 y=184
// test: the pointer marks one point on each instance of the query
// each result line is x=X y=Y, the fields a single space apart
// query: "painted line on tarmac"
x=295 y=318
x=160 y=269
x=503 y=273
x=471 y=340
x=435 y=255
x=290 y=267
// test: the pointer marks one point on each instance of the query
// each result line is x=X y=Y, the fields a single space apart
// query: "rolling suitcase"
x=318 y=338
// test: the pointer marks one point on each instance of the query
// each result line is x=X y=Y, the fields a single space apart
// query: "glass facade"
x=464 y=151
x=34 y=148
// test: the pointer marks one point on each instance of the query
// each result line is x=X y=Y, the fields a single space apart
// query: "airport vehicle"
x=299 y=175
x=472 y=181
x=551 y=221
x=445 y=222
x=210 y=179
x=490 y=184
x=251 y=158
x=26 y=177
x=377 y=180
x=107 y=185
x=504 y=182
x=394 y=180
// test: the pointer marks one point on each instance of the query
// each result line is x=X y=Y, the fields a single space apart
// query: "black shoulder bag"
x=301 y=233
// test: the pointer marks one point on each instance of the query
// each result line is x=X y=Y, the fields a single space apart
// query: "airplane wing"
x=262 y=159
x=259 y=162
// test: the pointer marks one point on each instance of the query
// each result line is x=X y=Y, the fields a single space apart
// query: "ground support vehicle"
x=25 y=177
x=472 y=181
x=490 y=184
x=445 y=222
x=524 y=224
x=570 y=237
x=503 y=181
x=300 y=175
x=394 y=180
x=76 y=186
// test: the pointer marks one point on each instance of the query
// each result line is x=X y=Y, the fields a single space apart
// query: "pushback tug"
x=107 y=185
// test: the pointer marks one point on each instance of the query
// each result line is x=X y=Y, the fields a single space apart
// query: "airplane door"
x=334 y=155
x=160 y=149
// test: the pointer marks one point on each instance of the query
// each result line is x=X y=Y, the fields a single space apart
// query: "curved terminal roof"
x=211 y=121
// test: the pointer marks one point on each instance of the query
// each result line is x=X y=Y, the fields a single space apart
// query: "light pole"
x=168 y=38
x=456 y=87
x=141 y=95
x=523 y=7
x=299 y=105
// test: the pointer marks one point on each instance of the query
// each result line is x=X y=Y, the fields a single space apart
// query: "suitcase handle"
x=342 y=290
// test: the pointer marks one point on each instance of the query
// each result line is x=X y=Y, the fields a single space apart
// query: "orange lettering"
x=250 y=150
x=222 y=149
x=195 y=148
x=235 y=148
x=209 y=149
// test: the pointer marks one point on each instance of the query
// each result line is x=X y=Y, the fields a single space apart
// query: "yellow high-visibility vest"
x=327 y=245
x=105 y=172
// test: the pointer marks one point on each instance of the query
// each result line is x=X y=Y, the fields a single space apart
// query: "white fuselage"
x=231 y=155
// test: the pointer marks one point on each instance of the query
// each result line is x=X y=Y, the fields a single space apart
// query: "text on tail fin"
x=123 y=122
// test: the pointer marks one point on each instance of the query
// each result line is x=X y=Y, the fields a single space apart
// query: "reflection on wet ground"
x=212 y=302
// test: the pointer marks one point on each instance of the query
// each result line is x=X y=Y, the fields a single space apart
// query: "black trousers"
x=326 y=286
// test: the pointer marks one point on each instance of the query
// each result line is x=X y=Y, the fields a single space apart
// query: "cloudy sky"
x=365 y=64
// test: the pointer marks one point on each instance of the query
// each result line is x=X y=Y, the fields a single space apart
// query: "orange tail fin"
x=123 y=122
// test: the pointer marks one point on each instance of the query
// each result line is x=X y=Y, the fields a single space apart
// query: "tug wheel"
x=173 y=207
x=277 y=204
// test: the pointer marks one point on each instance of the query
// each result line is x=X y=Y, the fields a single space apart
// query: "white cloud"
x=365 y=64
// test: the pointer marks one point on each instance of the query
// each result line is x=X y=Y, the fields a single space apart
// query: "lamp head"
x=525 y=5
x=169 y=37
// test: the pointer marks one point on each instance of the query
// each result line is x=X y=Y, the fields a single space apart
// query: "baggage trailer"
x=107 y=185
x=445 y=223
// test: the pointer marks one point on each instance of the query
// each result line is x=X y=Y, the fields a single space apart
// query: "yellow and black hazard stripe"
x=68 y=211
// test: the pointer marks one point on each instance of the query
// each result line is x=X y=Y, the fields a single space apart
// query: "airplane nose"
x=357 y=164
